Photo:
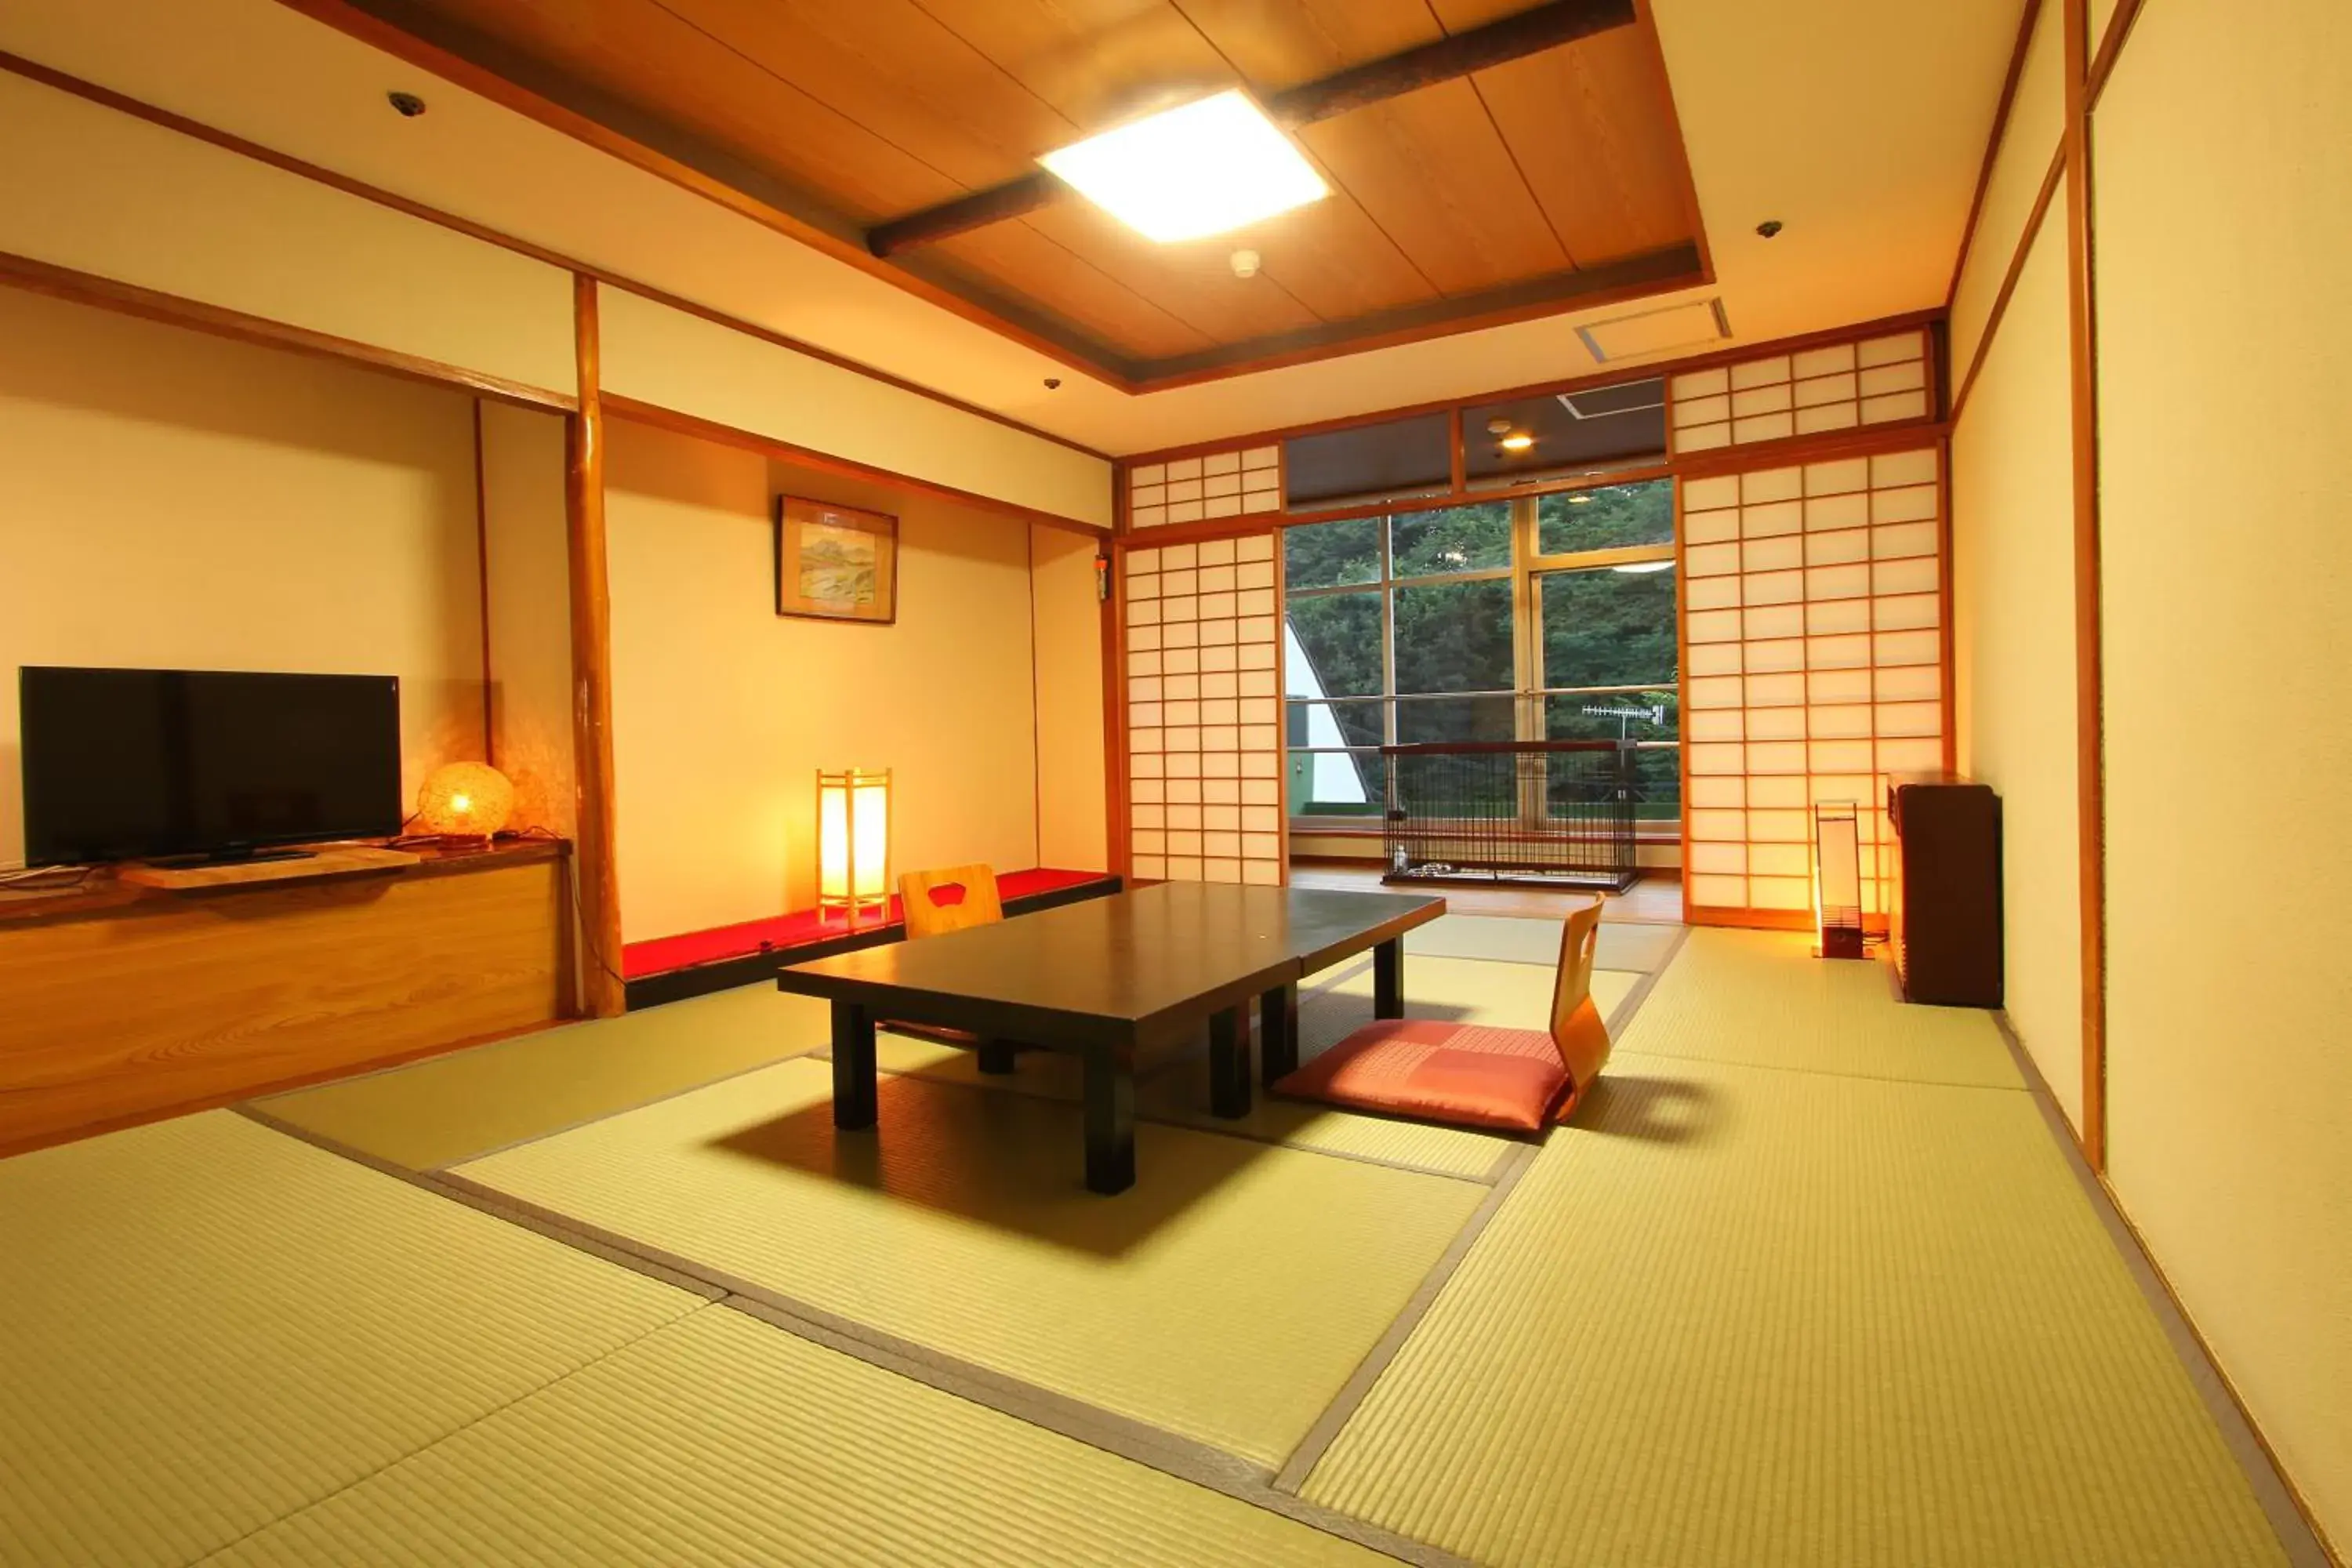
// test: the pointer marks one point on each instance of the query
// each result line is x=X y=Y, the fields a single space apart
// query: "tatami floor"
x=1809 y=1281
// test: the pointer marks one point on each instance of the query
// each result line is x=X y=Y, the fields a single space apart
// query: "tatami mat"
x=451 y=1108
x=1225 y=1298
x=1510 y=939
x=1761 y=998
x=1178 y=1093
x=723 y=1441
x=1739 y=1318
x=205 y=1325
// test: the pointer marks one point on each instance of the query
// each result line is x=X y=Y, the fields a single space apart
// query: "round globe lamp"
x=466 y=803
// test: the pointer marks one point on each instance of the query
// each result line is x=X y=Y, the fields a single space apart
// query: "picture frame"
x=836 y=563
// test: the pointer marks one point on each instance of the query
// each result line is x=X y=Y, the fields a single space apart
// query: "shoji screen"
x=1813 y=623
x=1204 y=711
x=1841 y=386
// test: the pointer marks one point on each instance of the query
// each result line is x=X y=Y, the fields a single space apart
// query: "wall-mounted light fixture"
x=852 y=846
x=1837 y=879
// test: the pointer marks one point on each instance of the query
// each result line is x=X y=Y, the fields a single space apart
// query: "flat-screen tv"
x=129 y=764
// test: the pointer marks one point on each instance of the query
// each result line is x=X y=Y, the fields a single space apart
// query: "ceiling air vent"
x=1699 y=324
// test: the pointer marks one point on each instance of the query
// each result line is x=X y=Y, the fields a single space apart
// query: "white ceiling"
x=1859 y=124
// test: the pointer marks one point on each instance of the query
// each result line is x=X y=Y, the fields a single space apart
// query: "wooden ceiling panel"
x=1276 y=44
x=646 y=57
x=1475 y=199
x=1096 y=62
x=1435 y=174
x=893 y=67
x=1194 y=282
x=1592 y=127
x=1589 y=128
x=1016 y=260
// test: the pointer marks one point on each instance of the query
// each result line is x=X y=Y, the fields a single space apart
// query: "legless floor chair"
x=1474 y=1074
x=937 y=902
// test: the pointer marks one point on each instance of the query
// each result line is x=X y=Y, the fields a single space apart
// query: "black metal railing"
x=1542 y=811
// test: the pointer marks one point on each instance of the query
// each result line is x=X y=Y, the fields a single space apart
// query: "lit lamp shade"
x=1837 y=879
x=466 y=800
x=853 y=844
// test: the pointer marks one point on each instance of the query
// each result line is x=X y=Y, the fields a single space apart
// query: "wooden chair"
x=1476 y=1075
x=933 y=903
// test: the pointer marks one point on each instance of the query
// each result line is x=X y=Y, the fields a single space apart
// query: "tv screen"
x=122 y=764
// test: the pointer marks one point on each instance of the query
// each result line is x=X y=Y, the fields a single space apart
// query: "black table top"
x=1121 y=968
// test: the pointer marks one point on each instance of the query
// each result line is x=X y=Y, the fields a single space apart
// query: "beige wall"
x=2037 y=121
x=1073 y=801
x=103 y=192
x=2223 y=241
x=664 y=356
x=170 y=498
x=528 y=599
x=2013 y=647
x=723 y=710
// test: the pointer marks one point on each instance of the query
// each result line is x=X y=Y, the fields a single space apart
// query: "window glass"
x=1451 y=538
x=1454 y=636
x=1455 y=718
x=1330 y=555
x=1608 y=627
x=1334 y=646
x=1327 y=724
x=1607 y=517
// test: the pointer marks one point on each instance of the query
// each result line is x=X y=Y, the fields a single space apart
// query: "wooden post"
x=591 y=672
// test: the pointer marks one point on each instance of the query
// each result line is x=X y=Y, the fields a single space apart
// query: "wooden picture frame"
x=836 y=563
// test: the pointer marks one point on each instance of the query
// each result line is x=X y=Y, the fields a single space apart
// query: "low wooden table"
x=1111 y=977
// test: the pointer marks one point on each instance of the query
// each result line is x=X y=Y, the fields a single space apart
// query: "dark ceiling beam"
x=1530 y=32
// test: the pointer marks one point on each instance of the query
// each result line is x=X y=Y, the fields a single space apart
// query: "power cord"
x=572 y=894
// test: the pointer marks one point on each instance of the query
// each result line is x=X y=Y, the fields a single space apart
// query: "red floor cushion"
x=1468 y=1074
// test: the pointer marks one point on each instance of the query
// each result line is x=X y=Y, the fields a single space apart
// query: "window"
x=1406 y=628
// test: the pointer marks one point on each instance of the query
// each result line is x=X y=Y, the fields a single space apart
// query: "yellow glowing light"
x=1201 y=169
x=466 y=800
x=853 y=838
x=1518 y=443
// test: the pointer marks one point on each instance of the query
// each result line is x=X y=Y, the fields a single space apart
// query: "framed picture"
x=836 y=563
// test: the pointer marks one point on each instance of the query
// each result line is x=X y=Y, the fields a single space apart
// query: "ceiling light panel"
x=1186 y=172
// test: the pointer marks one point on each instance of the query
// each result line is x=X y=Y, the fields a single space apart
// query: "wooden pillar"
x=2090 y=759
x=602 y=992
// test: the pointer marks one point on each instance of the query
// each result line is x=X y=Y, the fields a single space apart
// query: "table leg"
x=853 y=1067
x=1278 y=1023
x=1229 y=1060
x=1110 y=1120
x=996 y=1056
x=1388 y=979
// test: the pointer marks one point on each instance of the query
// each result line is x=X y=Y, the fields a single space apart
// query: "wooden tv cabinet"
x=121 y=1002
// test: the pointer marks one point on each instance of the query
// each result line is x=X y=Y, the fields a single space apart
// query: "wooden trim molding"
x=2089 y=684
x=655 y=414
x=2111 y=47
x=596 y=874
x=1992 y=146
x=33 y=70
x=130 y=300
x=2058 y=166
x=1610 y=376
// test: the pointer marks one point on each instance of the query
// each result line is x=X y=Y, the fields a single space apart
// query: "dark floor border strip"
x=2271 y=1493
x=574 y=1126
x=482 y=1200
x=1623 y=1018
x=1342 y=1408
x=1185 y=1458
x=1208 y=1125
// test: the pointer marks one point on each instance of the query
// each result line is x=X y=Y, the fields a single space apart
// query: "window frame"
x=1529 y=694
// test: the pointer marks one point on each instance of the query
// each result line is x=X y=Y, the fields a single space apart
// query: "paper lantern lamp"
x=466 y=801
x=1837 y=879
x=852 y=846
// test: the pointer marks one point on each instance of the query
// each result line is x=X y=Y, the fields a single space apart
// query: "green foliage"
x=1608 y=518
x=1607 y=628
